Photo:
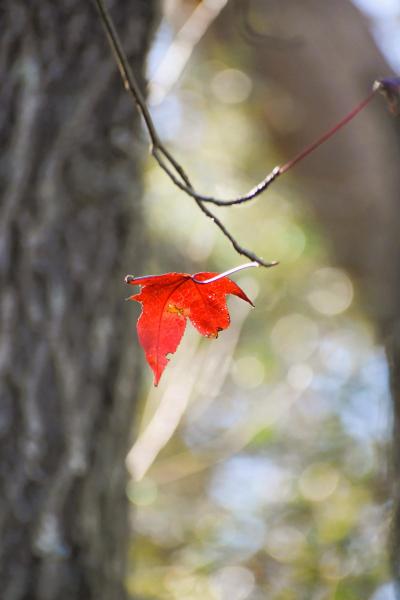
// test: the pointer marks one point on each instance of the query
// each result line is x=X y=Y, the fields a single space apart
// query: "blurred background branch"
x=177 y=55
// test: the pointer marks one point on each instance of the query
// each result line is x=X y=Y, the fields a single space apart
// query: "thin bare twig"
x=175 y=171
x=165 y=160
x=131 y=86
x=251 y=195
x=328 y=134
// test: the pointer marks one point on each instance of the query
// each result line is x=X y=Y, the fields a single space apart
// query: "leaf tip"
x=157 y=376
x=129 y=279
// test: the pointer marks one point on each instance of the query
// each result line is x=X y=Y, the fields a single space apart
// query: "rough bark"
x=70 y=228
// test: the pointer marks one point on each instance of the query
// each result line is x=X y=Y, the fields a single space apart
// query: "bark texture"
x=70 y=229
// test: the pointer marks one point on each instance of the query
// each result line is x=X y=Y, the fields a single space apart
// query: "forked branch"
x=175 y=171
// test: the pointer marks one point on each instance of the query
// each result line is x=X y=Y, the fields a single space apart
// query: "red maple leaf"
x=168 y=300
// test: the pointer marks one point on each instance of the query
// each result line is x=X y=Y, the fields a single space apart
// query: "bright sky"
x=385 y=17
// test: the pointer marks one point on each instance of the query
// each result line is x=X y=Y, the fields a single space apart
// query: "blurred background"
x=267 y=463
x=261 y=463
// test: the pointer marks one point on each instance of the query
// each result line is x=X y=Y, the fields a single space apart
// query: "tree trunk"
x=70 y=229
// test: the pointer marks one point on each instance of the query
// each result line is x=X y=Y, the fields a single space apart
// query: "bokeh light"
x=266 y=477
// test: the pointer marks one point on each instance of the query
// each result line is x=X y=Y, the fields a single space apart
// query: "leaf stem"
x=231 y=271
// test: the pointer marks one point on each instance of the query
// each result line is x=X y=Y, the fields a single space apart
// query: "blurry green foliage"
x=261 y=457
